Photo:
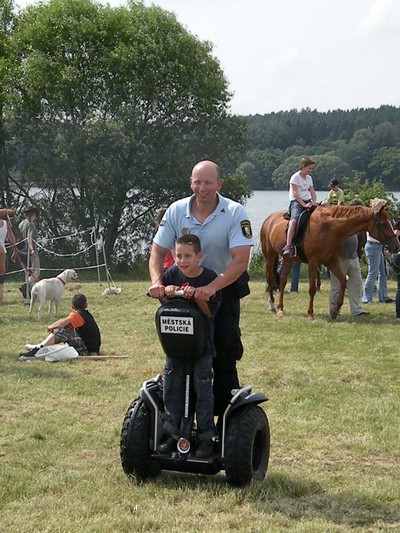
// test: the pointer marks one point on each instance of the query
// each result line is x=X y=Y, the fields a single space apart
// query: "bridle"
x=378 y=222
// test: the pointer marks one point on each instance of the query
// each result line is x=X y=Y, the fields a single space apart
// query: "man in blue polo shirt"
x=224 y=230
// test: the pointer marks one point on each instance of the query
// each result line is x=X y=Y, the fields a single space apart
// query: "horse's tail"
x=277 y=277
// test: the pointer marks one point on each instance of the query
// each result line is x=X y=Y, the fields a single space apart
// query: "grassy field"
x=334 y=411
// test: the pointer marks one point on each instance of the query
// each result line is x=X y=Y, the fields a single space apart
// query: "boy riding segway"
x=158 y=430
x=186 y=275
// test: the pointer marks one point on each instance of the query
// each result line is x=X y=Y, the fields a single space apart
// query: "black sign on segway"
x=181 y=329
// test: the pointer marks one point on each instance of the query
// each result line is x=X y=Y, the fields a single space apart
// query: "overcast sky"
x=290 y=54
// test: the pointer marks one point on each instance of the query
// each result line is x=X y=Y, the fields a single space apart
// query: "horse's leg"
x=337 y=271
x=312 y=289
x=271 y=265
x=287 y=267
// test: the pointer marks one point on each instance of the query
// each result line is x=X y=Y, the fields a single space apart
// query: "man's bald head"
x=206 y=168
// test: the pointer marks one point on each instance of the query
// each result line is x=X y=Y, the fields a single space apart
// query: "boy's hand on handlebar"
x=170 y=291
x=188 y=292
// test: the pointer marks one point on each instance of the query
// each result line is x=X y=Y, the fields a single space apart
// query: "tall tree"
x=113 y=107
x=6 y=23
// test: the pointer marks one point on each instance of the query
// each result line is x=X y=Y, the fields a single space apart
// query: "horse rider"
x=302 y=196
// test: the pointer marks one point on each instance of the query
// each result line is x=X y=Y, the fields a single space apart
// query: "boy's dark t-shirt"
x=173 y=276
x=90 y=332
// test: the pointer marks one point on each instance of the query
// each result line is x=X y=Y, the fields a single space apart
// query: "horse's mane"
x=349 y=211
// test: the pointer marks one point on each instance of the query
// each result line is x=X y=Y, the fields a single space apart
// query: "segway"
x=242 y=449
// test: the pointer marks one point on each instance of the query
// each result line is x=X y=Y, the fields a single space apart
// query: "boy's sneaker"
x=205 y=448
x=31 y=346
x=30 y=353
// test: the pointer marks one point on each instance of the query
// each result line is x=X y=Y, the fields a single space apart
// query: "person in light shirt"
x=377 y=267
x=302 y=196
x=224 y=230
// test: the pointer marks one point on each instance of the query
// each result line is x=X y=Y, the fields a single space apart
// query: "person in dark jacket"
x=79 y=329
x=394 y=262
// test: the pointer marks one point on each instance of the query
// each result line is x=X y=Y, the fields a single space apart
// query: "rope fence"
x=96 y=242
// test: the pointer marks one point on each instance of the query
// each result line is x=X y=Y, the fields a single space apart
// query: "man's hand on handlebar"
x=204 y=293
x=157 y=291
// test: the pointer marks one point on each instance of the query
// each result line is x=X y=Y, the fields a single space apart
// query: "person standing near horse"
x=224 y=230
x=377 y=266
x=302 y=196
x=394 y=262
x=5 y=234
x=349 y=261
x=29 y=233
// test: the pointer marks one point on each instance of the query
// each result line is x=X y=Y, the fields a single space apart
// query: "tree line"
x=358 y=144
x=106 y=110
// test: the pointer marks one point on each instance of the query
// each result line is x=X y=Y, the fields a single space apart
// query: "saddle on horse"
x=300 y=229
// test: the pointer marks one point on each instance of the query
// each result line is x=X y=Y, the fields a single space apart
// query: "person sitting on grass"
x=187 y=274
x=79 y=329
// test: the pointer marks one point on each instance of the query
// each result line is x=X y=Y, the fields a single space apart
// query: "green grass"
x=333 y=409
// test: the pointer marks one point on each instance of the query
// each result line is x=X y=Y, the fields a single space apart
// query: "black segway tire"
x=135 y=450
x=247 y=446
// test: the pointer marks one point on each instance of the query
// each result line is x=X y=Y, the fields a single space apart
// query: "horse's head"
x=11 y=217
x=5 y=213
x=382 y=230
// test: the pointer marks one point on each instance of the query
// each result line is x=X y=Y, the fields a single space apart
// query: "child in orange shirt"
x=79 y=329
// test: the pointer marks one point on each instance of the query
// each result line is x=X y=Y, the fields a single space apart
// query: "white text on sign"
x=172 y=324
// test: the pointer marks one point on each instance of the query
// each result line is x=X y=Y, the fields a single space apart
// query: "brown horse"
x=321 y=244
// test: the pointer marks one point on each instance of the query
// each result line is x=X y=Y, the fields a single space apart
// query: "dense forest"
x=361 y=144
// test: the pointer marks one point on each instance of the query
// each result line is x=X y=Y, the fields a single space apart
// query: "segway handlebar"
x=178 y=293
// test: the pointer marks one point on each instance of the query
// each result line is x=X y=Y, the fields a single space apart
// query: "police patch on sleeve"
x=246 y=229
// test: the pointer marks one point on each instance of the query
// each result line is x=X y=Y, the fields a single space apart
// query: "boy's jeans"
x=174 y=395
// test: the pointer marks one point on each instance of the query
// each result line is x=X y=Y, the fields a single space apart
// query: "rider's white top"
x=303 y=184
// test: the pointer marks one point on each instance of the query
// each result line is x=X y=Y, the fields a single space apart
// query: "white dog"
x=51 y=289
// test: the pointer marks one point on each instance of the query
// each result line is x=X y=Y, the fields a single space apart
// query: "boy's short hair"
x=79 y=302
x=190 y=240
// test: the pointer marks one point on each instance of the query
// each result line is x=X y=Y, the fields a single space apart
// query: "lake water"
x=263 y=203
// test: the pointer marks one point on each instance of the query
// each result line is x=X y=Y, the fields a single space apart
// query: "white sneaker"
x=31 y=346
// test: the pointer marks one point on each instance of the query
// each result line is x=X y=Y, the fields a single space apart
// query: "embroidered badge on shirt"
x=246 y=229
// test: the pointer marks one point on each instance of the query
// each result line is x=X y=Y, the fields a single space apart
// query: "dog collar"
x=62 y=281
